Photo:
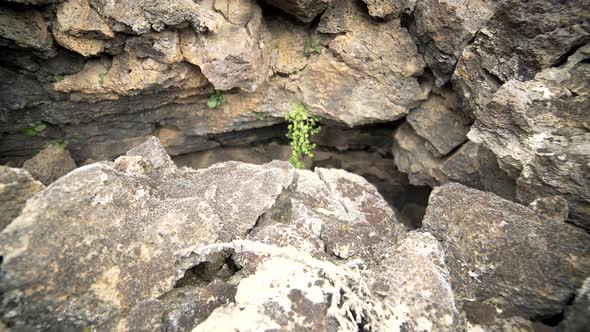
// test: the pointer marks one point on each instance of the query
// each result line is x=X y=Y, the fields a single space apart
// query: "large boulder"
x=236 y=55
x=506 y=255
x=25 y=28
x=50 y=164
x=413 y=155
x=138 y=242
x=540 y=133
x=443 y=28
x=16 y=187
x=519 y=40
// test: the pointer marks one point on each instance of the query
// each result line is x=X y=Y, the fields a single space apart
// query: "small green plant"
x=101 y=79
x=302 y=127
x=216 y=100
x=34 y=128
x=61 y=143
x=311 y=46
x=58 y=78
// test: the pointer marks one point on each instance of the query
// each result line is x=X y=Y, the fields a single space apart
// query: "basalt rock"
x=443 y=28
x=16 y=187
x=505 y=254
x=304 y=10
x=539 y=132
x=518 y=41
x=26 y=29
x=50 y=164
x=385 y=8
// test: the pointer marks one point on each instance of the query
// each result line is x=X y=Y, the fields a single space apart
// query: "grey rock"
x=440 y=122
x=384 y=8
x=538 y=131
x=506 y=255
x=577 y=316
x=304 y=10
x=518 y=41
x=493 y=178
x=443 y=28
x=16 y=187
x=485 y=317
x=50 y=164
x=554 y=207
x=413 y=283
x=236 y=54
x=150 y=218
x=25 y=28
x=462 y=166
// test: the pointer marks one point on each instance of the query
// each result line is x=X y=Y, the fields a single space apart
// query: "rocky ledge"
x=141 y=245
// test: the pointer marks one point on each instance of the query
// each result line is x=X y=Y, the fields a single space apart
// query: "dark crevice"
x=563 y=58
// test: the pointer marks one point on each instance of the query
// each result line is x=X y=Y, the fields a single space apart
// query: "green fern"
x=301 y=128
x=216 y=100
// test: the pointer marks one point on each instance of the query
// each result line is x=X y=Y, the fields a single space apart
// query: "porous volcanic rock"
x=505 y=254
x=16 y=186
x=50 y=164
x=540 y=133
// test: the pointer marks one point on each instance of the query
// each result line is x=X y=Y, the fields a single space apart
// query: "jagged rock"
x=141 y=16
x=77 y=18
x=369 y=75
x=440 y=122
x=518 y=41
x=539 y=132
x=130 y=75
x=163 y=47
x=85 y=46
x=443 y=28
x=506 y=255
x=485 y=317
x=16 y=186
x=554 y=207
x=412 y=281
x=236 y=54
x=25 y=29
x=492 y=177
x=577 y=316
x=384 y=8
x=411 y=155
x=304 y=10
x=341 y=16
x=164 y=220
x=288 y=40
x=50 y=164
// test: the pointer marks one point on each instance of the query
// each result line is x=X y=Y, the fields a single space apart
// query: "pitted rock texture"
x=505 y=254
x=117 y=220
x=304 y=10
x=16 y=186
x=518 y=41
x=540 y=133
x=50 y=164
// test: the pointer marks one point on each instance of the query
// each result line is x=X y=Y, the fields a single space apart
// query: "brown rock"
x=50 y=164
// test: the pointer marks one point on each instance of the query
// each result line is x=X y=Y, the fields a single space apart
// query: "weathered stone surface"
x=130 y=75
x=440 y=122
x=577 y=316
x=25 y=29
x=288 y=45
x=77 y=18
x=141 y=16
x=540 y=133
x=384 y=8
x=518 y=41
x=236 y=54
x=506 y=255
x=412 y=281
x=304 y=10
x=50 y=164
x=341 y=16
x=163 y=46
x=485 y=317
x=443 y=28
x=16 y=186
x=124 y=218
x=82 y=45
x=411 y=157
